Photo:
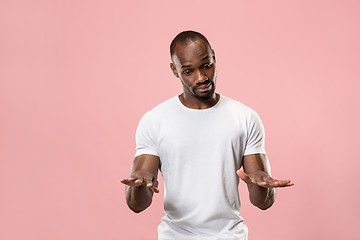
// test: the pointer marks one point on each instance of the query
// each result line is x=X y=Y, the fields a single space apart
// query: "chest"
x=202 y=134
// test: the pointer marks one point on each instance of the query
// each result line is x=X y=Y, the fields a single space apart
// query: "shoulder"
x=237 y=107
x=161 y=109
x=166 y=105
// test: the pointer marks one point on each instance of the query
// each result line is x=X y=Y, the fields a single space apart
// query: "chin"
x=205 y=96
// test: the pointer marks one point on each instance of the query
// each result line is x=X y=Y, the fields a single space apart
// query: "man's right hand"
x=142 y=177
x=142 y=183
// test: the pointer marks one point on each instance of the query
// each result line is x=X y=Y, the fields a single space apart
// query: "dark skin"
x=142 y=182
x=194 y=64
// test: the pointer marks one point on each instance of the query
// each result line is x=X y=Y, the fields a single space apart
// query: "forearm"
x=138 y=198
x=261 y=197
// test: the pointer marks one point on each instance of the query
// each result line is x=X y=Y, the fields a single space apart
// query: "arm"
x=142 y=182
x=258 y=178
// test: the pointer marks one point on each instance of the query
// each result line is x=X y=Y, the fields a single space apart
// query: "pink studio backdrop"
x=76 y=76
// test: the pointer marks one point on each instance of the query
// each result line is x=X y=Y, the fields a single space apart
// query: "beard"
x=205 y=95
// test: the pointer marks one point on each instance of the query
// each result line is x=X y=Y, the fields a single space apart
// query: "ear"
x=213 y=52
x=173 y=68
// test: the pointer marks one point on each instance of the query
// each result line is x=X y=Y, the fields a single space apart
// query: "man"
x=199 y=140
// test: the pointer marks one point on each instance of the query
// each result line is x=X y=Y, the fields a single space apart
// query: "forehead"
x=187 y=53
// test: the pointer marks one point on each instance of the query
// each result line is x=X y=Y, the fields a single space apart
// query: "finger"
x=265 y=184
x=124 y=181
x=269 y=179
x=152 y=184
x=148 y=181
x=268 y=182
x=129 y=182
x=155 y=186
x=282 y=183
x=127 y=179
x=286 y=183
x=264 y=180
x=138 y=182
x=149 y=184
x=155 y=189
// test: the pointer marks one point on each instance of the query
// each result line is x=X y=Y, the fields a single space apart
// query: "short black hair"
x=186 y=37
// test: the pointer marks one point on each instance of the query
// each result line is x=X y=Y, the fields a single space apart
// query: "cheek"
x=211 y=72
x=186 y=81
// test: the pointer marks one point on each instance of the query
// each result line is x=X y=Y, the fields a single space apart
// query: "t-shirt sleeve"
x=146 y=136
x=256 y=135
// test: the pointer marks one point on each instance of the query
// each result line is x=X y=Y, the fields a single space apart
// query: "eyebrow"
x=185 y=66
x=204 y=58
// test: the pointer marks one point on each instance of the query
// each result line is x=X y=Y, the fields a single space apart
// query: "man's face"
x=194 y=64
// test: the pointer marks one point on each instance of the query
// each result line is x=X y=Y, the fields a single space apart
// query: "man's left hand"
x=263 y=179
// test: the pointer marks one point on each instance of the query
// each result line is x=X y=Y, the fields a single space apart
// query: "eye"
x=187 y=72
x=207 y=65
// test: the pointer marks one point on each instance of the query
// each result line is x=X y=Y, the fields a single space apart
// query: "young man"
x=199 y=140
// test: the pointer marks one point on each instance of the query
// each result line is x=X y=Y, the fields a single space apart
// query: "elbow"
x=138 y=203
x=266 y=205
x=137 y=208
x=263 y=208
x=263 y=205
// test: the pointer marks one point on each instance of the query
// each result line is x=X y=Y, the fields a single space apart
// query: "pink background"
x=76 y=76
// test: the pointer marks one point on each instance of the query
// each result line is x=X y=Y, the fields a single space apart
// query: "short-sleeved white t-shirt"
x=200 y=151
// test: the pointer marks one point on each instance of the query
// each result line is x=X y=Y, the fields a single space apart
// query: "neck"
x=198 y=103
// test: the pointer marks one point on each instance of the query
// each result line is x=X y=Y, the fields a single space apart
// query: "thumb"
x=243 y=176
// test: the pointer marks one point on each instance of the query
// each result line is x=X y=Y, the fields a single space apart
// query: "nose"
x=201 y=77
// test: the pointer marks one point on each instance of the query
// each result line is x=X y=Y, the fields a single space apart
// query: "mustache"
x=204 y=83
